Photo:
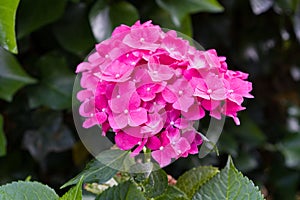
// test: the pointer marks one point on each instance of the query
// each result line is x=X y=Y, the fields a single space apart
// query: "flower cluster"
x=149 y=87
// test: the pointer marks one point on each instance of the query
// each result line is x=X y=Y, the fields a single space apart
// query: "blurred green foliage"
x=260 y=37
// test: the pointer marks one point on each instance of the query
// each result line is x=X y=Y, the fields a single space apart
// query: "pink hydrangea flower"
x=149 y=88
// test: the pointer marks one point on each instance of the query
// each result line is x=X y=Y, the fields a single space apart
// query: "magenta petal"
x=101 y=117
x=139 y=148
x=125 y=141
x=153 y=143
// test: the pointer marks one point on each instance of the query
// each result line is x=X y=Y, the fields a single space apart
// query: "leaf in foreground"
x=8 y=10
x=123 y=191
x=229 y=184
x=191 y=180
x=27 y=190
x=100 y=172
x=173 y=193
x=75 y=193
x=156 y=183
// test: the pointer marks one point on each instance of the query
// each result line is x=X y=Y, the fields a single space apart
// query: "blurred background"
x=259 y=37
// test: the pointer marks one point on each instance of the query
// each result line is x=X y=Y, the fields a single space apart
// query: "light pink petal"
x=84 y=94
x=118 y=121
x=218 y=94
x=137 y=117
x=84 y=66
x=168 y=95
x=164 y=156
x=195 y=112
x=154 y=125
x=89 y=122
x=183 y=103
x=87 y=108
x=181 y=146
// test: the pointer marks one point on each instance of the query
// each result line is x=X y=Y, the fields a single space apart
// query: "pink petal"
x=125 y=141
x=137 y=117
x=168 y=96
x=153 y=143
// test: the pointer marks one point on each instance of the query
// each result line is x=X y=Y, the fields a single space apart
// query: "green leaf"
x=249 y=131
x=73 y=31
x=103 y=17
x=290 y=147
x=2 y=138
x=55 y=87
x=22 y=190
x=228 y=184
x=191 y=180
x=123 y=191
x=99 y=20
x=180 y=9
x=103 y=168
x=33 y=14
x=8 y=10
x=173 y=193
x=75 y=193
x=155 y=184
x=123 y=13
x=12 y=76
x=296 y=21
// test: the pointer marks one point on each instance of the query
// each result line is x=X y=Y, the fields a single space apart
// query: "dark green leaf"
x=55 y=88
x=33 y=14
x=103 y=17
x=103 y=168
x=290 y=147
x=100 y=20
x=52 y=136
x=261 y=6
x=173 y=193
x=228 y=184
x=163 y=18
x=8 y=10
x=12 y=76
x=75 y=193
x=191 y=180
x=155 y=184
x=180 y=9
x=2 y=138
x=27 y=190
x=297 y=22
x=123 y=13
x=123 y=191
x=73 y=32
x=246 y=161
x=250 y=132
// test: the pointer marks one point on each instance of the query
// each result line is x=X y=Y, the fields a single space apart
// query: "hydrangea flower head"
x=149 y=87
